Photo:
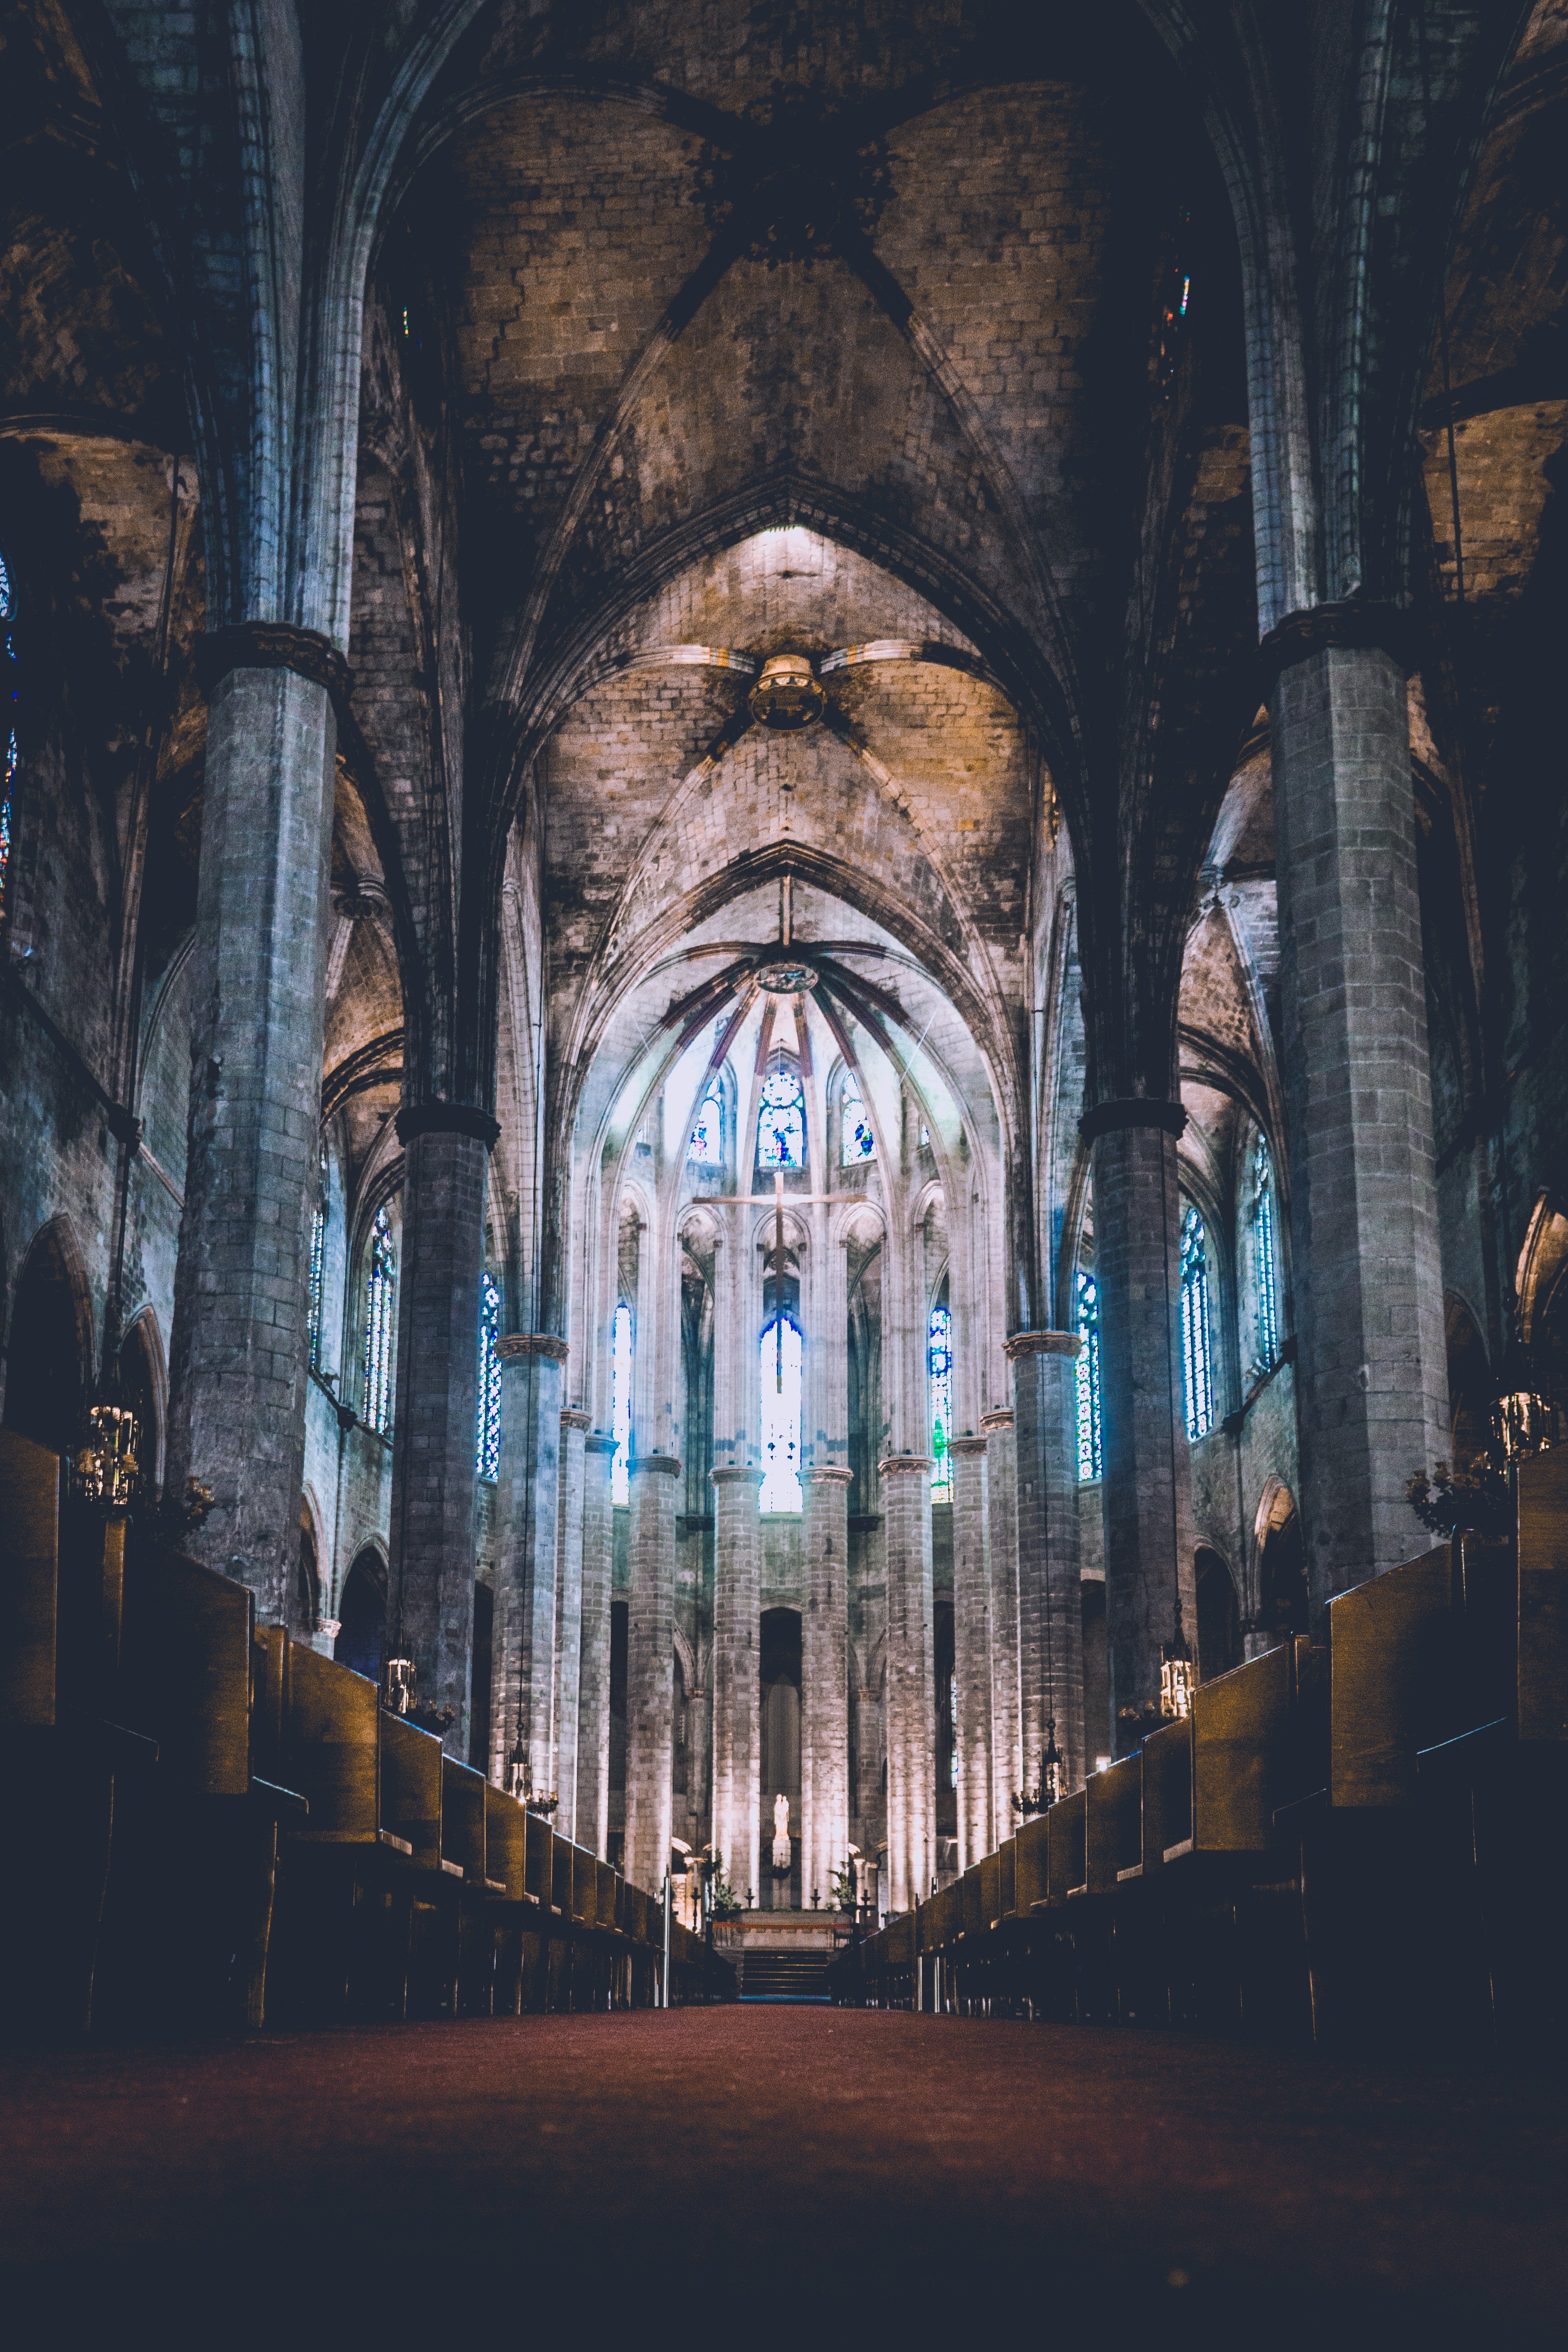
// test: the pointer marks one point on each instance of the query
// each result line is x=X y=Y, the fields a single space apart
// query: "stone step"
x=784 y=1976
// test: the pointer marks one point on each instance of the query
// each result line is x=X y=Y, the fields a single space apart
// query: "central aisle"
x=763 y=2169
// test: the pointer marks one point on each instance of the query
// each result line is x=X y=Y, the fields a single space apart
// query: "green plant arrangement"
x=844 y=1887
x=723 y=1899
x=1477 y=1501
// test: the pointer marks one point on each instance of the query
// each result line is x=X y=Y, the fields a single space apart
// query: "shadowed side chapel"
x=783 y=1232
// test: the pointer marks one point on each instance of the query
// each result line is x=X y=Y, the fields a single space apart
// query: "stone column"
x=594 y=1688
x=568 y=1614
x=912 y=1700
x=1002 y=1527
x=651 y=1670
x=531 y=1368
x=239 y=1345
x=737 y=1691
x=435 y=1407
x=972 y=1644
x=1050 y=1601
x=1367 y=1276
x=825 y=1679
x=1147 y=1487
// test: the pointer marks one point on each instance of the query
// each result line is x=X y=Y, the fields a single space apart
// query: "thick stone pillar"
x=239 y=1346
x=1147 y=1485
x=737 y=1690
x=972 y=1644
x=1001 y=1546
x=593 y=1683
x=532 y=1363
x=1367 y=1276
x=1050 y=1601
x=568 y=1613
x=435 y=1410
x=911 y=1698
x=825 y=1680
x=651 y=1670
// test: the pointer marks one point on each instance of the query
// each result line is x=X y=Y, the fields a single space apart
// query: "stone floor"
x=767 y=2172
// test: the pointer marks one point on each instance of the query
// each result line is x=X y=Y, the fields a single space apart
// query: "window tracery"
x=779 y=1363
x=380 y=1291
x=1265 y=1239
x=1090 y=1439
x=939 y=1363
x=8 y=697
x=706 y=1149
x=317 y=1268
x=857 y=1143
x=781 y=1121
x=487 y=1443
x=1197 y=1368
x=621 y=1404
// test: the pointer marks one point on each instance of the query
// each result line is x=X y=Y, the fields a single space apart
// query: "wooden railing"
x=216 y=1827
x=1361 y=1839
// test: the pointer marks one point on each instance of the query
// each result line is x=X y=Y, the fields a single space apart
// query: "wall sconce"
x=104 y=1471
x=1177 y=1679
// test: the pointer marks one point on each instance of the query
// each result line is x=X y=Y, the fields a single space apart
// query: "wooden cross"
x=777 y=1197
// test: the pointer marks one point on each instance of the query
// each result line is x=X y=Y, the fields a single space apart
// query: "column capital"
x=513 y=1345
x=272 y=644
x=1132 y=1110
x=1358 y=624
x=662 y=1465
x=733 y=1474
x=891 y=1462
x=991 y=1422
x=572 y=1419
x=829 y=1475
x=597 y=1442
x=434 y=1118
x=968 y=1445
x=1040 y=1343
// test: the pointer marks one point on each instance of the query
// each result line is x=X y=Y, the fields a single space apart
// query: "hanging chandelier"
x=105 y=1469
x=1177 y=1679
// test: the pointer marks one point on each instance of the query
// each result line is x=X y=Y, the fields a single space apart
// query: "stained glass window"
x=1268 y=1273
x=939 y=1360
x=706 y=1149
x=1197 y=1368
x=380 y=1292
x=318 y=1261
x=953 y=1718
x=858 y=1142
x=1090 y=1442
x=487 y=1442
x=7 y=723
x=621 y=1404
x=781 y=1122
x=779 y=1367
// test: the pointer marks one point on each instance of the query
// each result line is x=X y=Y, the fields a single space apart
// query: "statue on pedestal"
x=781 y=1849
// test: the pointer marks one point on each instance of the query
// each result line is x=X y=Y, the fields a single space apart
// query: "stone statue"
x=781 y=1832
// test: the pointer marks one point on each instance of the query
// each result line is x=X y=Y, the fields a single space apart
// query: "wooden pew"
x=464 y=1843
x=1029 y=1891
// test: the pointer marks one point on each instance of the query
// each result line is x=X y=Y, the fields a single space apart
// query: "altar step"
x=784 y=1976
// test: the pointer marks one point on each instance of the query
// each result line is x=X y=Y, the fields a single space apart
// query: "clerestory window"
x=938 y=1367
x=781 y=1121
x=780 y=1364
x=8 y=698
x=706 y=1149
x=1197 y=1368
x=857 y=1142
x=318 y=1270
x=1091 y=1440
x=621 y=1404
x=487 y=1440
x=381 y=1289
x=1265 y=1241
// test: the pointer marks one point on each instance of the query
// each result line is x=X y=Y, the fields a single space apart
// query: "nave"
x=763 y=2173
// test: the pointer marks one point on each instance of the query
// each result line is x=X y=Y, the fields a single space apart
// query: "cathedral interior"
x=784 y=1223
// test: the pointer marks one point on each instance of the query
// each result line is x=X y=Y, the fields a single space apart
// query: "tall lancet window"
x=318 y=1274
x=9 y=696
x=1265 y=1242
x=1090 y=1442
x=621 y=1404
x=939 y=1366
x=706 y=1149
x=858 y=1142
x=380 y=1292
x=781 y=1122
x=487 y=1438
x=779 y=1366
x=1197 y=1366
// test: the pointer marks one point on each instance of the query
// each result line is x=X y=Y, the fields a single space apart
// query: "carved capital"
x=597 y=1442
x=891 y=1464
x=447 y=1119
x=1132 y=1110
x=732 y=1475
x=513 y=1345
x=662 y=1465
x=829 y=1475
x=993 y=1421
x=1355 y=625
x=1040 y=1343
x=572 y=1419
x=272 y=644
x=967 y=1445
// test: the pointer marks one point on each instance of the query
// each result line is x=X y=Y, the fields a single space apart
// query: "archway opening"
x=1219 y=1616
x=362 y=1616
x=780 y=1695
x=50 y=1353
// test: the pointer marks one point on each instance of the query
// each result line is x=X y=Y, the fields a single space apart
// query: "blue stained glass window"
x=1090 y=1442
x=1267 y=1267
x=621 y=1405
x=7 y=723
x=380 y=1292
x=779 y=1367
x=318 y=1262
x=487 y=1440
x=1197 y=1368
x=939 y=1360
x=706 y=1149
x=781 y=1122
x=858 y=1142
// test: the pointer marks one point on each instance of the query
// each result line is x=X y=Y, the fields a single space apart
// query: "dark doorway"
x=50 y=1347
x=142 y=1388
x=1282 y=1570
x=1097 y=1740
x=620 y=1638
x=1219 y=1617
x=945 y=1661
x=780 y=1698
x=362 y=1616
x=308 y=1587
